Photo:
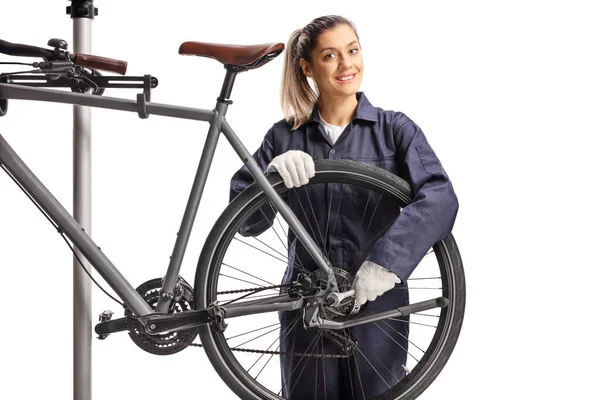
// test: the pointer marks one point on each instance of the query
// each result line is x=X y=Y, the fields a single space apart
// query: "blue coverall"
x=392 y=141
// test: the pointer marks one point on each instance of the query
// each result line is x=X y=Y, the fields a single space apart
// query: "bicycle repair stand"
x=82 y=13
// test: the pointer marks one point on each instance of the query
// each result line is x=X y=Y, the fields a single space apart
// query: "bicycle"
x=164 y=315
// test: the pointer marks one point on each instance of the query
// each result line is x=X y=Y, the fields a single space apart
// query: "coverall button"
x=332 y=151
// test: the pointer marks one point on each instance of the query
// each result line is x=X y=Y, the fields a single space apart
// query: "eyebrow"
x=333 y=48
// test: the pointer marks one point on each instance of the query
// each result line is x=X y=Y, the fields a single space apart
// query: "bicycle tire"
x=249 y=201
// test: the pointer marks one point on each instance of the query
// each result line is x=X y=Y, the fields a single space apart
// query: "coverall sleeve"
x=432 y=213
x=263 y=218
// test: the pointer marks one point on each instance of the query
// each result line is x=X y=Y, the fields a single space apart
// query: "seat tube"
x=193 y=204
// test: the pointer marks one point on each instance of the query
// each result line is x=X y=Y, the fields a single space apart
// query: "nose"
x=345 y=62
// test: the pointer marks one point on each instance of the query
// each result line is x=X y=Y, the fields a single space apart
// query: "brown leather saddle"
x=236 y=57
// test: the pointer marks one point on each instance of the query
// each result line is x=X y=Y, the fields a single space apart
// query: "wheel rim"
x=423 y=361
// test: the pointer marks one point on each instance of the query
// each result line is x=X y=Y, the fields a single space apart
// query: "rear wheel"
x=246 y=255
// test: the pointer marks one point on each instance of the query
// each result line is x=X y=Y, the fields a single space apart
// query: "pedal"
x=104 y=317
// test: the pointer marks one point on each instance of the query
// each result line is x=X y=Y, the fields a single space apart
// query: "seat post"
x=227 y=86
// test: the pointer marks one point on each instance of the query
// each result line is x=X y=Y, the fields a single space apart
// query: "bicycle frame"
x=24 y=177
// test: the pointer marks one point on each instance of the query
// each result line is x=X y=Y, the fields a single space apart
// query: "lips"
x=346 y=78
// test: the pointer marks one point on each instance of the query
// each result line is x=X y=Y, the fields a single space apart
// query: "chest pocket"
x=430 y=162
x=387 y=163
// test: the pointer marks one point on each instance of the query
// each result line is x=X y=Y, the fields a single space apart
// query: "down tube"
x=280 y=205
x=51 y=206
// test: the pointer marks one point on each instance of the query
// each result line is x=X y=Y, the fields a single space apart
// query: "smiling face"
x=336 y=64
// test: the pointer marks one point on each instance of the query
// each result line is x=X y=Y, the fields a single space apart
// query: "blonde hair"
x=297 y=96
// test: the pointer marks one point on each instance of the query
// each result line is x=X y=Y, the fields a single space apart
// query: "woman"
x=338 y=122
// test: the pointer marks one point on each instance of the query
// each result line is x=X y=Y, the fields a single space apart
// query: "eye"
x=354 y=51
x=329 y=56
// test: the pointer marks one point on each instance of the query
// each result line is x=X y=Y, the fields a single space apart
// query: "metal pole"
x=82 y=12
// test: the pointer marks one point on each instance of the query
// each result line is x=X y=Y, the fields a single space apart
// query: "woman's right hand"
x=295 y=167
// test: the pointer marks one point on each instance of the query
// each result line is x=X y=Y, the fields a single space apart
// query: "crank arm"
x=156 y=324
x=319 y=322
x=159 y=323
x=103 y=329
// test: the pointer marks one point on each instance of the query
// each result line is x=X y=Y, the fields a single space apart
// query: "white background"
x=507 y=94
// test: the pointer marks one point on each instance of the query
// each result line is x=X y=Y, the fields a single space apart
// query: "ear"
x=305 y=65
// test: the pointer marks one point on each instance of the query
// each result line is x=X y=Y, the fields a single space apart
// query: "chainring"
x=168 y=343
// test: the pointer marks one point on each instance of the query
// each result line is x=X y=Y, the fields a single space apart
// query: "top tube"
x=12 y=91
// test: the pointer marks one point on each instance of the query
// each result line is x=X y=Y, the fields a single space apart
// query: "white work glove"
x=372 y=280
x=295 y=167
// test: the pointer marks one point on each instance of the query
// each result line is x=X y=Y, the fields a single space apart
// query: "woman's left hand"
x=372 y=280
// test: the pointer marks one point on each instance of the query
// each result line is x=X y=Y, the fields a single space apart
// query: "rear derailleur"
x=337 y=308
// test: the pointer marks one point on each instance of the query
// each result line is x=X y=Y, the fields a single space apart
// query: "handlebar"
x=23 y=50
x=82 y=60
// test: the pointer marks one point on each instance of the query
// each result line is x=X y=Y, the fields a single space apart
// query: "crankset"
x=167 y=343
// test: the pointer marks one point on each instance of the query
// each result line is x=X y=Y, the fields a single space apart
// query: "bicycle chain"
x=254 y=290
x=292 y=353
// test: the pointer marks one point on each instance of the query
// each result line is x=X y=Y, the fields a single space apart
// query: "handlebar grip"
x=102 y=63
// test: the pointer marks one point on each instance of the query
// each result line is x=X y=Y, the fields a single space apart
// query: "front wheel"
x=251 y=254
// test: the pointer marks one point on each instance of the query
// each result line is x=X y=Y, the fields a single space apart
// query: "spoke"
x=350 y=374
x=316 y=377
x=381 y=231
x=310 y=349
x=382 y=364
x=273 y=330
x=336 y=218
x=373 y=216
x=261 y=250
x=399 y=333
x=401 y=320
x=242 y=280
x=282 y=229
x=328 y=212
x=394 y=340
x=365 y=210
x=275 y=250
x=374 y=369
x=306 y=216
x=278 y=347
x=422 y=279
x=314 y=215
x=286 y=332
x=371 y=241
x=301 y=268
x=243 y=272
x=359 y=378
x=255 y=330
x=361 y=233
x=411 y=322
x=427 y=315
x=323 y=365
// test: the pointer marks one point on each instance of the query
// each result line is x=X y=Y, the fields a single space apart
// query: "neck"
x=337 y=110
